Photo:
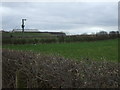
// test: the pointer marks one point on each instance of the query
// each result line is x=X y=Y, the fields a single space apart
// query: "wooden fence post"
x=21 y=80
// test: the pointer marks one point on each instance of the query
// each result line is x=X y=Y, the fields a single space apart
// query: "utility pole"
x=23 y=25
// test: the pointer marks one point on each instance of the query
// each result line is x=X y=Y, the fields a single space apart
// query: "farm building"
x=26 y=30
x=37 y=31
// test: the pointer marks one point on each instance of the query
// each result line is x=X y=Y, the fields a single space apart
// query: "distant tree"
x=117 y=32
x=113 y=33
x=84 y=34
x=102 y=33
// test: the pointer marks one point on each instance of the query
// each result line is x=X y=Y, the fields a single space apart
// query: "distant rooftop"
x=25 y=30
x=38 y=31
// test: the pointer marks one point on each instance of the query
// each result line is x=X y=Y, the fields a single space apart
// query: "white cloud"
x=68 y=17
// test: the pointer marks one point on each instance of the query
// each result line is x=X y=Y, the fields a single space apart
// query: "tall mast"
x=23 y=25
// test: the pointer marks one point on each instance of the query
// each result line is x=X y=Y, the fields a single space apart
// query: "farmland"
x=46 y=61
x=97 y=50
x=27 y=34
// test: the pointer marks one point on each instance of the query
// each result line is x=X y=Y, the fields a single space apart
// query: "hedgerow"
x=36 y=70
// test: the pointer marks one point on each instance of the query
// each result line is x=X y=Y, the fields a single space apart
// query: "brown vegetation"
x=44 y=71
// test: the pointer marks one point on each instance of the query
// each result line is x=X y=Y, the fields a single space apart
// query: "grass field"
x=97 y=50
x=26 y=34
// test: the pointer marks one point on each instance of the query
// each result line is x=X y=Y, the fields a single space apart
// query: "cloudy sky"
x=70 y=17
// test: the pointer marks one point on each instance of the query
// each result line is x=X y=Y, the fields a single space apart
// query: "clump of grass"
x=49 y=71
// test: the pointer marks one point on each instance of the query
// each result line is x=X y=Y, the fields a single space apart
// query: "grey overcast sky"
x=70 y=17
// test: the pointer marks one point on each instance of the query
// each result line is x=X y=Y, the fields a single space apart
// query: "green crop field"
x=97 y=50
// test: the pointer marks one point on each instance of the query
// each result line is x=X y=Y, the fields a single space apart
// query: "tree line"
x=102 y=35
